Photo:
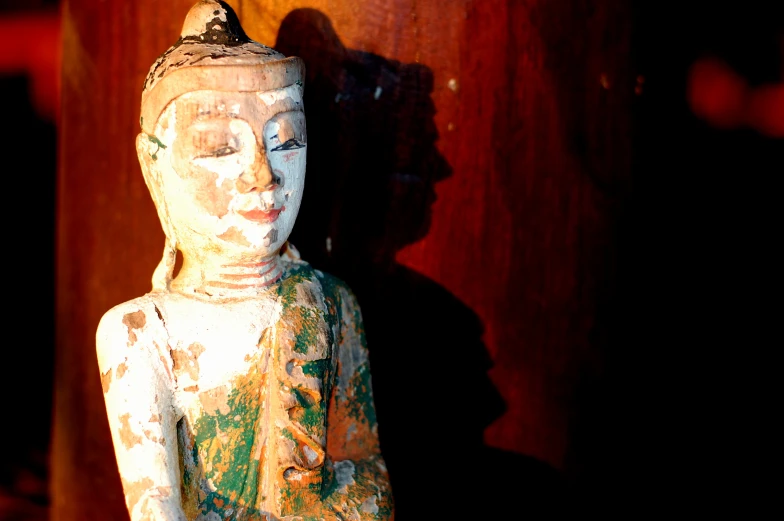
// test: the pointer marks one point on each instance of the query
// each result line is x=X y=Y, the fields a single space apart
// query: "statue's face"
x=233 y=170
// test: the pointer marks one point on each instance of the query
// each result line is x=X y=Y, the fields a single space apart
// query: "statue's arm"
x=136 y=378
x=361 y=481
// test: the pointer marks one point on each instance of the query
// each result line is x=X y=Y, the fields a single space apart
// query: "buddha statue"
x=239 y=387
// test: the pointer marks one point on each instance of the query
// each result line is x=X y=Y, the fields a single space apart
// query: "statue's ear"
x=144 y=154
x=146 y=150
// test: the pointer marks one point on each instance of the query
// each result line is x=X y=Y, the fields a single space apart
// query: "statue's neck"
x=219 y=277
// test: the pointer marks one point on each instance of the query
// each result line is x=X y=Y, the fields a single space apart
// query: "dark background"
x=682 y=411
x=705 y=275
x=29 y=170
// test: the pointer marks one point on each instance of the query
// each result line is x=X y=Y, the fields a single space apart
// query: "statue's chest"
x=211 y=345
x=284 y=344
x=253 y=381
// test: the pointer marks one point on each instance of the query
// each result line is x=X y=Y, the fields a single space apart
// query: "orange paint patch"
x=127 y=436
x=134 y=491
x=255 y=275
x=147 y=513
x=166 y=363
x=135 y=320
x=187 y=361
x=349 y=438
x=234 y=235
x=195 y=349
x=230 y=285
x=214 y=200
x=132 y=321
x=106 y=380
x=215 y=400
x=121 y=369
x=251 y=264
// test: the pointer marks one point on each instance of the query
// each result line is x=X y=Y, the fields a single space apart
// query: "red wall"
x=473 y=205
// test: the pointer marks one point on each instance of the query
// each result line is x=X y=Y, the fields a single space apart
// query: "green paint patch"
x=301 y=499
x=310 y=418
x=305 y=320
x=227 y=509
x=331 y=286
x=361 y=408
x=307 y=333
x=287 y=289
x=357 y=324
x=303 y=396
x=315 y=368
x=160 y=145
x=226 y=441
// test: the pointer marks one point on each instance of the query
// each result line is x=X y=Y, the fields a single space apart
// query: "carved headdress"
x=214 y=53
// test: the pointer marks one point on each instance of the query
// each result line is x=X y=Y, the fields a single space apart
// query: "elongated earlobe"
x=164 y=273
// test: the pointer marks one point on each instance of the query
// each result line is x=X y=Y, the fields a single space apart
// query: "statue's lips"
x=262 y=216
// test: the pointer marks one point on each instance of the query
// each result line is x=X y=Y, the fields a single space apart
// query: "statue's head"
x=222 y=146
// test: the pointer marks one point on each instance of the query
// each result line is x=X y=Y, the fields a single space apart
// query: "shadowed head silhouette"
x=372 y=169
x=373 y=147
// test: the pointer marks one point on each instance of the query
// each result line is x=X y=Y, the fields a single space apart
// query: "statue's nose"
x=258 y=176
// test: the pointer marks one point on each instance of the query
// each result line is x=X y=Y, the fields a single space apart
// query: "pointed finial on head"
x=212 y=21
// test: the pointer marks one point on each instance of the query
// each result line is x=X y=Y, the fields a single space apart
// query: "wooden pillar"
x=477 y=229
x=108 y=234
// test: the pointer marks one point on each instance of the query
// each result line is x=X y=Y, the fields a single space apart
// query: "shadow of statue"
x=372 y=168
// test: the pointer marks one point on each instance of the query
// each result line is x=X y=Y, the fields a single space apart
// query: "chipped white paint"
x=369 y=506
x=241 y=211
x=344 y=475
x=273 y=96
x=209 y=376
x=351 y=360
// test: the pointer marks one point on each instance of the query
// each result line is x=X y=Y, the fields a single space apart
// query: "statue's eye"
x=291 y=144
x=224 y=151
x=219 y=152
x=285 y=132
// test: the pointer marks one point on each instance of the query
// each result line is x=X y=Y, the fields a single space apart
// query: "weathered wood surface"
x=515 y=115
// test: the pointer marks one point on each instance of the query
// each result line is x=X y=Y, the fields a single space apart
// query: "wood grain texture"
x=471 y=203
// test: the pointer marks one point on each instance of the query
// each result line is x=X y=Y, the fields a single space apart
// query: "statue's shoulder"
x=298 y=271
x=335 y=286
x=299 y=275
x=129 y=327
